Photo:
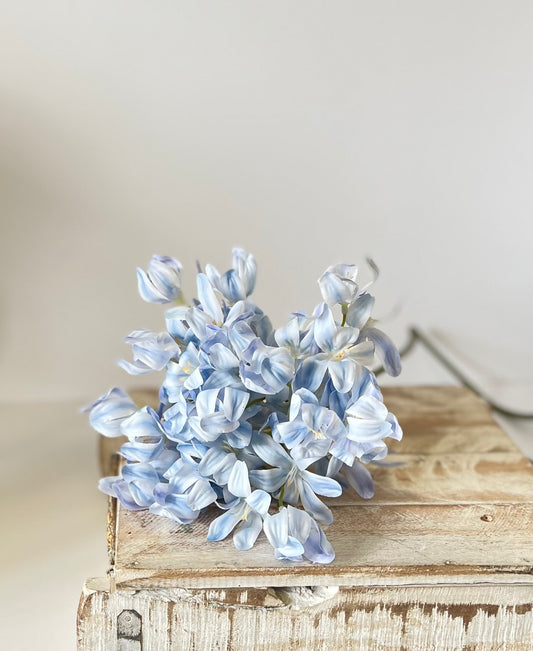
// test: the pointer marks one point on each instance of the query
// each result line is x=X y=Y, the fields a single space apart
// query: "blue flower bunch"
x=255 y=421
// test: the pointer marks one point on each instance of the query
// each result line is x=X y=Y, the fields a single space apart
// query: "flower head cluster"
x=249 y=414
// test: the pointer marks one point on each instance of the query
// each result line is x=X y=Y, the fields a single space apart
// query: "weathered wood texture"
x=441 y=558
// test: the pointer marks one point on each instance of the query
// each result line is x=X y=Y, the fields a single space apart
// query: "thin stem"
x=255 y=402
x=282 y=492
x=344 y=313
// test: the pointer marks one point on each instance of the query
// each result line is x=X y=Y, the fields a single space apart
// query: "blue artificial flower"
x=384 y=347
x=145 y=434
x=297 y=336
x=151 y=351
x=237 y=283
x=185 y=478
x=276 y=528
x=306 y=530
x=216 y=416
x=341 y=354
x=162 y=282
x=186 y=373
x=357 y=476
x=290 y=471
x=108 y=412
x=134 y=487
x=245 y=514
x=247 y=414
x=338 y=284
x=310 y=425
x=264 y=369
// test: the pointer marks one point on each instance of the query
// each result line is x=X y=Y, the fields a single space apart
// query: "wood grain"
x=440 y=559
x=437 y=618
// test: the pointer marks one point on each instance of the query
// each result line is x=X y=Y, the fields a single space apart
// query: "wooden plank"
x=496 y=478
x=453 y=404
x=455 y=513
x=402 y=540
x=435 y=618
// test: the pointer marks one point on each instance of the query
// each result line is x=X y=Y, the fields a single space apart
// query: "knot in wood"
x=129 y=624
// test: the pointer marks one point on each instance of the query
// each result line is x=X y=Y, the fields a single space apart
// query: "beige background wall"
x=308 y=132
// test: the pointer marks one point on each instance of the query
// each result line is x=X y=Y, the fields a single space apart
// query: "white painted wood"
x=439 y=618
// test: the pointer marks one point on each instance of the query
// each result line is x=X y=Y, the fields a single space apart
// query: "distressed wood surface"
x=440 y=559
x=437 y=509
x=437 y=618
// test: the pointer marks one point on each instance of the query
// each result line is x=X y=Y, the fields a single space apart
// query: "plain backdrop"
x=307 y=132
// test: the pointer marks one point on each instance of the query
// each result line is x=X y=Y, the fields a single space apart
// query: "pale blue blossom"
x=162 y=282
x=134 y=487
x=290 y=471
x=245 y=513
x=108 y=412
x=247 y=414
x=338 y=284
x=151 y=351
x=341 y=354
x=237 y=283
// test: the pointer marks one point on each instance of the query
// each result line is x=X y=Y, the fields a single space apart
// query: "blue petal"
x=367 y=430
x=342 y=374
x=232 y=286
x=245 y=266
x=322 y=485
x=299 y=523
x=317 y=548
x=241 y=436
x=360 y=479
x=268 y=480
x=277 y=528
x=206 y=402
x=140 y=472
x=311 y=373
x=143 y=423
x=216 y=424
x=134 y=368
x=367 y=407
x=325 y=329
x=223 y=525
x=238 y=482
x=313 y=505
x=108 y=412
x=141 y=451
x=246 y=533
x=270 y=451
x=292 y=550
x=292 y=433
x=147 y=290
x=385 y=349
x=123 y=494
x=234 y=402
x=201 y=495
x=175 y=319
x=208 y=299
x=359 y=311
x=259 y=501
x=214 y=460
x=222 y=358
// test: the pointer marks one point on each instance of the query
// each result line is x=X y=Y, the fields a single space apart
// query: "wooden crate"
x=440 y=559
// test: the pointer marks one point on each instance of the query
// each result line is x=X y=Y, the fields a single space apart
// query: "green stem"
x=280 y=501
x=344 y=312
x=255 y=402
